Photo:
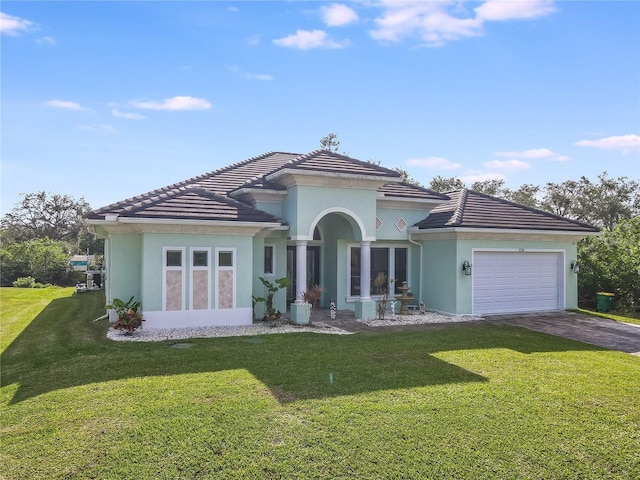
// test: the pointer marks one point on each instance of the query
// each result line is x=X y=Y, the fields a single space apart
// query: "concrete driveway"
x=602 y=332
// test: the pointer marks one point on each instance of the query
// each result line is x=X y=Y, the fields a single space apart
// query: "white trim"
x=165 y=269
x=193 y=268
x=273 y=259
x=416 y=230
x=562 y=294
x=198 y=318
x=346 y=211
x=219 y=268
x=178 y=221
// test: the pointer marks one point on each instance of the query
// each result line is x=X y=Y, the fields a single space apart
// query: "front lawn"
x=618 y=317
x=453 y=402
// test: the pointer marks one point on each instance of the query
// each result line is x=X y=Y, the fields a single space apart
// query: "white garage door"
x=510 y=282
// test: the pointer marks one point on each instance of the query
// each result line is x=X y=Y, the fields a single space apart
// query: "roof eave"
x=415 y=230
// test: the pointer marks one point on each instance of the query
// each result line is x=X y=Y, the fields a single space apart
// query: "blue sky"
x=106 y=100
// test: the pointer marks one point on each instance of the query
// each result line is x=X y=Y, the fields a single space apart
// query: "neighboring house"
x=192 y=252
x=80 y=263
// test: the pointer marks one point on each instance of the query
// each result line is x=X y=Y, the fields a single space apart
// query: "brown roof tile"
x=196 y=204
x=407 y=190
x=471 y=209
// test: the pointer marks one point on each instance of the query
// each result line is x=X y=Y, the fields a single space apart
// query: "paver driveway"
x=602 y=332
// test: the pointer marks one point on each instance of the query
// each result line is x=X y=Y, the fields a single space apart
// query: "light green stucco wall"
x=389 y=217
x=151 y=272
x=124 y=267
x=447 y=289
x=303 y=204
x=280 y=246
x=439 y=286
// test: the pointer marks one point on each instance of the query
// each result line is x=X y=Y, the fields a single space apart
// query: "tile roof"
x=220 y=182
x=469 y=209
x=407 y=190
x=252 y=173
x=326 y=161
x=192 y=203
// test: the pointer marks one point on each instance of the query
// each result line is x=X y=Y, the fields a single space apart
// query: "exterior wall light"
x=466 y=267
x=575 y=266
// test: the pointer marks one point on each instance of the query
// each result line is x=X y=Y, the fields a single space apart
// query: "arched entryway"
x=319 y=256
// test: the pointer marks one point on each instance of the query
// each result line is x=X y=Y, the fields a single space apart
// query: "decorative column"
x=301 y=269
x=365 y=270
x=300 y=310
x=365 y=308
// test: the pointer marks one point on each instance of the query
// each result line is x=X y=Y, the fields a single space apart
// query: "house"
x=80 y=263
x=192 y=252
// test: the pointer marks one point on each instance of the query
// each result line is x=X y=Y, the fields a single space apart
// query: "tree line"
x=609 y=262
x=39 y=236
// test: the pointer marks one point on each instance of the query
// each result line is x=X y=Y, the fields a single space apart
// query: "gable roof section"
x=407 y=190
x=196 y=204
x=469 y=209
x=213 y=190
x=331 y=162
x=219 y=182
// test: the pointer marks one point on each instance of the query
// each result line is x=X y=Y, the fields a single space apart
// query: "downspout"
x=420 y=274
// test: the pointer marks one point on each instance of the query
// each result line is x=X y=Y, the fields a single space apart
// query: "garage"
x=516 y=281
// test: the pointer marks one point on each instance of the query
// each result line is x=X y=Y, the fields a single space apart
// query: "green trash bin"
x=605 y=300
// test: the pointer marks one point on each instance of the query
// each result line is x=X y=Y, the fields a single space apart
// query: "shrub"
x=25 y=282
x=129 y=316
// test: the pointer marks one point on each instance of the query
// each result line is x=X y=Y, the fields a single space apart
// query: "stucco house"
x=192 y=252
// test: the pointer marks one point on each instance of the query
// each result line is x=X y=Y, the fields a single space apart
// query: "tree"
x=611 y=263
x=406 y=177
x=330 y=142
x=42 y=258
x=527 y=195
x=602 y=204
x=43 y=215
x=442 y=184
x=493 y=187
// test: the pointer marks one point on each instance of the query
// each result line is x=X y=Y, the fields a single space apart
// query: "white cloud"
x=500 y=10
x=46 y=41
x=626 y=143
x=533 y=153
x=65 y=104
x=11 y=25
x=338 y=15
x=481 y=177
x=306 y=40
x=436 y=163
x=438 y=22
x=129 y=115
x=251 y=76
x=98 y=128
x=507 y=165
x=174 y=104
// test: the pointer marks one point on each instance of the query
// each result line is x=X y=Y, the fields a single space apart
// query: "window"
x=225 y=259
x=392 y=261
x=173 y=258
x=199 y=295
x=269 y=260
x=173 y=279
x=200 y=259
x=225 y=278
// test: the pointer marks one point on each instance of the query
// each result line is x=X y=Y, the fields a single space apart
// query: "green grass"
x=453 y=402
x=627 y=317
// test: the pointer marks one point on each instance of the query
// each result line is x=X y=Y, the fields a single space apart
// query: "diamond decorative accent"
x=378 y=223
x=401 y=224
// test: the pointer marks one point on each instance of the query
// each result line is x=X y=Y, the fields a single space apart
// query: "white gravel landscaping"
x=418 y=319
x=160 y=334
